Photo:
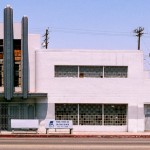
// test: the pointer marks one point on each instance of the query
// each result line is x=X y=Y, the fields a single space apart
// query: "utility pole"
x=45 y=42
x=139 y=33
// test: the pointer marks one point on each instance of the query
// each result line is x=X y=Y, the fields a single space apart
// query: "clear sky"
x=86 y=24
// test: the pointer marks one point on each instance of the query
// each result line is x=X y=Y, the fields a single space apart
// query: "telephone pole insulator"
x=139 y=33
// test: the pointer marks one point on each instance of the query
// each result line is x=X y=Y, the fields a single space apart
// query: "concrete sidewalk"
x=76 y=134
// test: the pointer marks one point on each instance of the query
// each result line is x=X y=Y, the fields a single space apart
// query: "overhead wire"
x=146 y=56
x=89 y=32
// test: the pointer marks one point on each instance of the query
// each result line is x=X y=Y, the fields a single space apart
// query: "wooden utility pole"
x=139 y=33
x=45 y=42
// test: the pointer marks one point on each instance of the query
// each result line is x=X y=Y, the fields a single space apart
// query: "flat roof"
x=89 y=50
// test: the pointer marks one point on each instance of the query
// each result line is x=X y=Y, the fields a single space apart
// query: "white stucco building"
x=100 y=90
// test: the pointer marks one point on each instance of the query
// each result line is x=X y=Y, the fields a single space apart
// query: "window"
x=1 y=46
x=115 y=114
x=21 y=111
x=1 y=42
x=90 y=114
x=66 y=71
x=91 y=71
x=115 y=71
x=67 y=112
x=17 y=50
x=17 y=75
x=17 y=44
x=14 y=111
x=17 y=65
x=1 y=75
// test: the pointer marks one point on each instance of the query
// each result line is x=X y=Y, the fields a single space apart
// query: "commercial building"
x=100 y=90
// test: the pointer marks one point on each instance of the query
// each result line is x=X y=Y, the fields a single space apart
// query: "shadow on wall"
x=41 y=110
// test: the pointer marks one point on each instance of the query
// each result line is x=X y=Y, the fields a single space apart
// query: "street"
x=74 y=144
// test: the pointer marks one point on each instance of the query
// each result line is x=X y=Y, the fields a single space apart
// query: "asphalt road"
x=74 y=144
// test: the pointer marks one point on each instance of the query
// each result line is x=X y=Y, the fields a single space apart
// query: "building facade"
x=17 y=96
x=100 y=90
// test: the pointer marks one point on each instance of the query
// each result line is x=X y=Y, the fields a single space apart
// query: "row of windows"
x=1 y=45
x=17 y=63
x=92 y=114
x=91 y=71
x=74 y=71
x=17 y=74
x=16 y=44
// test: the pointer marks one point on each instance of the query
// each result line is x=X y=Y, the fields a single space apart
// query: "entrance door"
x=147 y=117
x=3 y=116
x=30 y=112
x=10 y=111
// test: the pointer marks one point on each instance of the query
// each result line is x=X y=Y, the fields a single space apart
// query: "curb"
x=70 y=136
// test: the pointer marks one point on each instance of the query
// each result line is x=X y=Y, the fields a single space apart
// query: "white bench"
x=24 y=124
x=58 y=124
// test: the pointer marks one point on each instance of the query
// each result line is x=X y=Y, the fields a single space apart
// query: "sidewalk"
x=8 y=134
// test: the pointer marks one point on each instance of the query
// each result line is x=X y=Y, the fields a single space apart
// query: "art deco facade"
x=100 y=90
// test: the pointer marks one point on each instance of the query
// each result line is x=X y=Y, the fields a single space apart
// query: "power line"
x=83 y=31
x=93 y=33
x=90 y=32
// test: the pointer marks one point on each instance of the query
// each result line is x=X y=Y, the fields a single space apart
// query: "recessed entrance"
x=147 y=116
x=10 y=111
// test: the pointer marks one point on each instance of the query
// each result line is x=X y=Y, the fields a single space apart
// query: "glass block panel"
x=115 y=114
x=90 y=114
x=115 y=71
x=91 y=71
x=67 y=112
x=66 y=71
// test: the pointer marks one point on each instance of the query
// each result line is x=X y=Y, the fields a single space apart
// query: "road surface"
x=74 y=144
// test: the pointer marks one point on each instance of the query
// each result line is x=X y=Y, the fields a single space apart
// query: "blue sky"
x=86 y=24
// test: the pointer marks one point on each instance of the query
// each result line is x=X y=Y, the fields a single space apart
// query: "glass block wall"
x=92 y=71
x=115 y=71
x=66 y=71
x=115 y=115
x=92 y=114
x=67 y=112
